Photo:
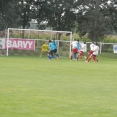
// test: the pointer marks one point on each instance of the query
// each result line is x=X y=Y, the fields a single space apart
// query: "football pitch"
x=31 y=86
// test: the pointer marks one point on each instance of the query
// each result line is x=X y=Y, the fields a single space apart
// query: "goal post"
x=29 y=41
x=14 y=41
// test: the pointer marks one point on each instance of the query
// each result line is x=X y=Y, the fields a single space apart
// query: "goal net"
x=30 y=41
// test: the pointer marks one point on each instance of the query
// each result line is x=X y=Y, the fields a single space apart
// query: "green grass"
x=34 y=87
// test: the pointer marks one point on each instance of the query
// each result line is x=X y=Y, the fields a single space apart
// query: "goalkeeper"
x=44 y=48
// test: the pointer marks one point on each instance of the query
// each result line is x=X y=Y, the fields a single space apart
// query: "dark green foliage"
x=93 y=17
x=8 y=14
x=97 y=18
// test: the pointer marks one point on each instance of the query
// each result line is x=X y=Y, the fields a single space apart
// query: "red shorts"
x=81 y=53
x=74 y=50
x=93 y=55
x=91 y=52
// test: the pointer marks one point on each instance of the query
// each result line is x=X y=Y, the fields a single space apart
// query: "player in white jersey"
x=78 y=46
x=81 y=51
x=92 y=45
x=74 y=48
x=94 y=54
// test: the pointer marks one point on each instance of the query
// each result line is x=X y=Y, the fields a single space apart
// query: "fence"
x=63 y=48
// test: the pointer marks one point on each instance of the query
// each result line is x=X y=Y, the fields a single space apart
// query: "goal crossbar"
x=28 y=32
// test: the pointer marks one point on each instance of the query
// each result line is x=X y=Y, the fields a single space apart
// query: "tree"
x=8 y=14
x=94 y=17
x=60 y=14
x=38 y=12
x=24 y=12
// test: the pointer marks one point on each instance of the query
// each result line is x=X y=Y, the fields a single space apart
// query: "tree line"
x=93 y=17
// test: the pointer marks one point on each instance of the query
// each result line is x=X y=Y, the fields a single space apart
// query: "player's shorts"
x=51 y=52
x=91 y=52
x=93 y=55
x=44 y=50
x=75 y=50
x=55 y=50
x=81 y=53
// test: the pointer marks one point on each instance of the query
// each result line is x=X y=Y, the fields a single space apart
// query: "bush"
x=110 y=39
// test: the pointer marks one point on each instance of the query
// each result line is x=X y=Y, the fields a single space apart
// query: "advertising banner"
x=115 y=48
x=20 y=44
x=2 y=43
